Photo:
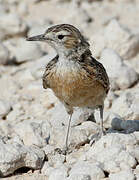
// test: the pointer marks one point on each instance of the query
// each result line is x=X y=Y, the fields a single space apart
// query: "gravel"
x=33 y=122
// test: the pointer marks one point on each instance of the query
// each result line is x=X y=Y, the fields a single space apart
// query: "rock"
x=77 y=136
x=5 y=108
x=129 y=126
x=58 y=116
x=46 y=169
x=58 y=135
x=5 y=128
x=8 y=87
x=16 y=112
x=111 y=96
x=37 y=110
x=116 y=37
x=134 y=63
x=87 y=169
x=2 y=9
x=89 y=127
x=34 y=91
x=48 y=149
x=59 y=173
x=14 y=140
x=118 y=72
x=39 y=26
x=38 y=68
x=122 y=175
x=15 y=156
x=97 y=44
x=77 y=154
x=136 y=172
x=4 y=54
x=32 y=130
x=82 y=21
x=11 y=25
x=108 y=117
x=37 y=117
x=134 y=150
x=121 y=39
x=127 y=105
x=23 y=50
x=29 y=175
x=23 y=8
x=56 y=159
x=26 y=79
x=79 y=177
x=111 y=152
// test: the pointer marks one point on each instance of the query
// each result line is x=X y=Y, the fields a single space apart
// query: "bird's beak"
x=37 y=38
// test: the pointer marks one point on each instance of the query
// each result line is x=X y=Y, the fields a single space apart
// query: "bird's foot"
x=96 y=137
x=63 y=151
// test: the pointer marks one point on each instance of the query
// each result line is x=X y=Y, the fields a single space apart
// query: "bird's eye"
x=60 y=36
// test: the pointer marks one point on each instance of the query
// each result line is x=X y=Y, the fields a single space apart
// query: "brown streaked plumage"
x=76 y=78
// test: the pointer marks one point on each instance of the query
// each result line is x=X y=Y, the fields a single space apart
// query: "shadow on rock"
x=124 y=126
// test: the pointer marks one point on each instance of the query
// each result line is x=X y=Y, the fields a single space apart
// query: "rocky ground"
x=32 y=120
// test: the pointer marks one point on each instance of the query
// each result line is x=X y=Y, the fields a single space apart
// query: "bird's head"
x=63 y=38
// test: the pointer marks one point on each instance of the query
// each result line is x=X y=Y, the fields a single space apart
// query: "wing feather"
x=48 y=68
x=96 y=70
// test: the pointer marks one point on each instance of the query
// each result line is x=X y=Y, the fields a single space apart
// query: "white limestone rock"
x=127 y=105
x=78 y=135
x=5 y=108
x=121 y=76
x=31 y=133
x=59 y=117
x=56 y=160
x=38 y=68
x=38 y=26
x=4 y=54
x=108 y=118
x=2 y=9
x=5 y=128
x=11 y=25
x=86 y=169
x=8 y=87
x=79 y=177
x=121 y=39
x=122 y=175
x=97 y=44
x=23 y=50
x=136 y=172
x=111 y=152
x=116 y=37
x=14 y=156
x=23 y=8
x=46 y=169
x=59 y=173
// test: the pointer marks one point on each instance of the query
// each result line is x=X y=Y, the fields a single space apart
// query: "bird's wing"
x=96 y=70
x=48 y=69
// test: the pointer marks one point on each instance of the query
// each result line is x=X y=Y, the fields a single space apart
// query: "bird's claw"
x=96 y=137
x=63 y=151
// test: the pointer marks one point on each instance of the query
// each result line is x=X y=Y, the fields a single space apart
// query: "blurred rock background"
x=33 y=121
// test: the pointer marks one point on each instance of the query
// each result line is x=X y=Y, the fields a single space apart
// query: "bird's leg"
x=97 y=136
x=65 y=150
x=67 y=134
x=101 y=120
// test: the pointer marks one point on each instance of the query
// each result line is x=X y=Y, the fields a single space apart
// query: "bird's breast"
x=66 y=79
x=72 y=85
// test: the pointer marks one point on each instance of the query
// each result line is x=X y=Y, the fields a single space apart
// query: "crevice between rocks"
x=106 y=174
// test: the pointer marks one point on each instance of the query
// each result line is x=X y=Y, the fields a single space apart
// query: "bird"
x=74 y=75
